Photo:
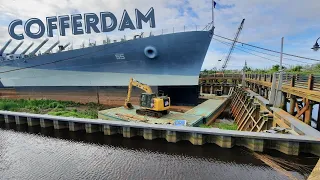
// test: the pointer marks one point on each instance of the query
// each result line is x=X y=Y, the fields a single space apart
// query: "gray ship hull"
x=180 y=58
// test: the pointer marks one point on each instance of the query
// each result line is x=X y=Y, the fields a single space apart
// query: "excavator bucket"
x=128 y=106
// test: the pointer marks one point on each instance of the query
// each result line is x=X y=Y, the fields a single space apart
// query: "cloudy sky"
x=266 y=21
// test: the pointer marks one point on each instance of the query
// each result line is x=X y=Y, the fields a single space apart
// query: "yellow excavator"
x=151 y=104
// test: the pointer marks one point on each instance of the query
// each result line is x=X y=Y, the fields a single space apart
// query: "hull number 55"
x=120 y=56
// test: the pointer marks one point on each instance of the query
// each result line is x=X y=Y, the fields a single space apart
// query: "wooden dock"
x=204 y=113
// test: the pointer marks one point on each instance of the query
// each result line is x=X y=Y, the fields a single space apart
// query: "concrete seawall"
x=288 y=144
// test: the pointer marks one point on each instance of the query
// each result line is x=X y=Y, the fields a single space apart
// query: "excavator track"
x=155 y=114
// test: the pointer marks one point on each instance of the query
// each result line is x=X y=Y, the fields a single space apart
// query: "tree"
x=296 y=69
x=205 y=71
x=275 y=68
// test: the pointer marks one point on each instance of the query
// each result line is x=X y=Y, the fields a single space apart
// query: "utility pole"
x=279 y=98
x=281 y=55
x=213 y=13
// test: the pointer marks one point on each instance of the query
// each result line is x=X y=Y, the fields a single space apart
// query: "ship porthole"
x=151 y=52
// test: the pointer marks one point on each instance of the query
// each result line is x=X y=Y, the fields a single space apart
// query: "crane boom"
x=232 y=47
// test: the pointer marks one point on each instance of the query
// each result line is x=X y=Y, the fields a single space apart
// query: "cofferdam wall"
x=110 y=95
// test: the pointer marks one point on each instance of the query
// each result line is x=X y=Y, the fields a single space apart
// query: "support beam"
x=284 y=102
x=304 y=109
x=273 y=89
x=308 y=114
x=266 y=93
x=318 y=120
x=293 y=101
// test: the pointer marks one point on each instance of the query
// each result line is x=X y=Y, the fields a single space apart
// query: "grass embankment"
x=52 y=107
x=225 y=126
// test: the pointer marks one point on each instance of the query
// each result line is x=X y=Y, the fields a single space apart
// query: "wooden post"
x=98 y=98
x=266 y=93
x=318 y=120
x=310 y=82
x=308 y=114
x=284 y=102
x=293 y=102
x=292 y=80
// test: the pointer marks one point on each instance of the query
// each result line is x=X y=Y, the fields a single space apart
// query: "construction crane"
x=151 y=104
x=224 y=66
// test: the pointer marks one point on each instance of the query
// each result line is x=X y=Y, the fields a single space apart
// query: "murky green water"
x=35 y=153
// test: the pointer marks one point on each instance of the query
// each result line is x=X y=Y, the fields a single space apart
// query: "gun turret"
x=26 y=50
x=39 y=47
x=54 y=45
x=15 y=49
x=5 y=47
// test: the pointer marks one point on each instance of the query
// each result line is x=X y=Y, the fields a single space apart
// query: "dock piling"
x=45 y=123
x=92 y=128
x=33 y=122
x=20 y=120
x=9 y=119
x=60 y=125
x=73 y=126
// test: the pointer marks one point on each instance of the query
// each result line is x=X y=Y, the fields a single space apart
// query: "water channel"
x=36 y=153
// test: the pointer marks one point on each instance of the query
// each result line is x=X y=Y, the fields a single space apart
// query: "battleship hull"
x=175 y=69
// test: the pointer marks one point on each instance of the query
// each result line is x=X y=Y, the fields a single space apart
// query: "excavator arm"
x=138 y=84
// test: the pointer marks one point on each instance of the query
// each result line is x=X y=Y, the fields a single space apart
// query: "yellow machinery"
x=151 y=104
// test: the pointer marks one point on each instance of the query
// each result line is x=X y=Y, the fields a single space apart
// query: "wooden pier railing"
x=308 y=82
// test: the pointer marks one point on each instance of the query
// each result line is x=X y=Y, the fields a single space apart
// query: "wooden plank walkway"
x=315 y=174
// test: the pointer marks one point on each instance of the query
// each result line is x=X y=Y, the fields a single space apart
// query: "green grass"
x=90 y=114
x=205 y=126
x=227 y=126
x=51 y=107
x=224 y=126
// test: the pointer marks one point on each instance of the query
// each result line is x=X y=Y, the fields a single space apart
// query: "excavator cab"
x=152 y=101
x=146 y=100
x=153 y=105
